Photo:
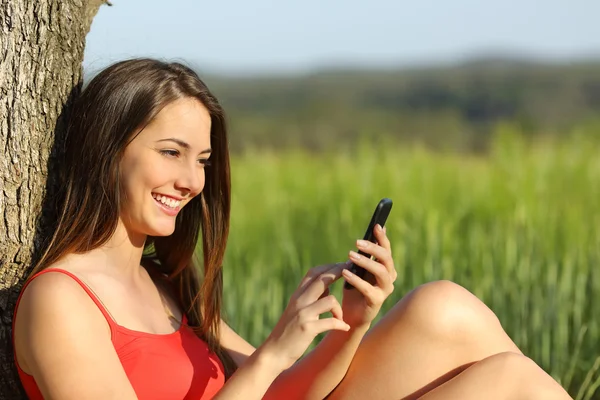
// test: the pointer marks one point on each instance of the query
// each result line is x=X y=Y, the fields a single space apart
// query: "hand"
x=300 y=323
x=362 y=304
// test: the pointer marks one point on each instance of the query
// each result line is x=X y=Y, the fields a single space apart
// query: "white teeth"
x=167 y=201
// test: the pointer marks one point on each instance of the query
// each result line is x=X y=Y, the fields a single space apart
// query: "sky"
x=267 y=36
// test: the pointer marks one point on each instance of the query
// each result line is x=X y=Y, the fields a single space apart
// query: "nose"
x=190 y=179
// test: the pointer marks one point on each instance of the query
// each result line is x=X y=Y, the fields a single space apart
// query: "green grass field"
x=518 y=228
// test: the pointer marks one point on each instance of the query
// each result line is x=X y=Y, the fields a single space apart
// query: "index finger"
x=315 y=288
x=315 y=272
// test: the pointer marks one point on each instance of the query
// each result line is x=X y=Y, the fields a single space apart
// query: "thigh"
x=504 y=376
x=434 y=333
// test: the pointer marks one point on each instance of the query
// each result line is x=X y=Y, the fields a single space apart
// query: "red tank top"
x=177 y=365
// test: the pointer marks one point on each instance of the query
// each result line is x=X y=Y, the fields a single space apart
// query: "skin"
x=79 y=357
x=433 y=342
x=438 y=342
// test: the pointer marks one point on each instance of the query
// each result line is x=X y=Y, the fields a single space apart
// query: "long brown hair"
x=114 y=107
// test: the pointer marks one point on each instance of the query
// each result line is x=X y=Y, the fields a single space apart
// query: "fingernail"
x=379 y=228
x=361 y=243
x=384 y=229
x=354 y=255
x=347 y=273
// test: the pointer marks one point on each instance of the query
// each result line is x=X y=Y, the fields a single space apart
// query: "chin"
x=164 y=232
x=161 y=231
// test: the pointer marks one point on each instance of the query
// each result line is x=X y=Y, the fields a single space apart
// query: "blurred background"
x=481 y=120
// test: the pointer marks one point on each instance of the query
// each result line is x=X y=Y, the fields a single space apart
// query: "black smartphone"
x=379 y=217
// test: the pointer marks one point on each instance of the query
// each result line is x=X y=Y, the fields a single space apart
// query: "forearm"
x=320 y=371
x=251 y=380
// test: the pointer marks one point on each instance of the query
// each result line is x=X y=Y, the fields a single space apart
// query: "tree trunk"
x=41 y=51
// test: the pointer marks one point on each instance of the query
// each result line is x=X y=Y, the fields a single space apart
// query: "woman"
x=115 y=308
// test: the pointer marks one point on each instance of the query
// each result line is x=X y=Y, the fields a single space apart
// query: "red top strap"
x=84 y=286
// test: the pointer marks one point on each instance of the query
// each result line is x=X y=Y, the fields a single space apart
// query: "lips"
x=171 y=211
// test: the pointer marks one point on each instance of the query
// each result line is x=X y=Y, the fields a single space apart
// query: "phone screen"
x=382 y=211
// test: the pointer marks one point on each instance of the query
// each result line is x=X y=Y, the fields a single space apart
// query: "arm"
x=320 y=371
x=251 y=380
x=297 y=328
x=312 y=377
x=63 y=340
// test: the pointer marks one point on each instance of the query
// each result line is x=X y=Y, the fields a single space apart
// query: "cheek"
x=139 y=177
x=155 y=174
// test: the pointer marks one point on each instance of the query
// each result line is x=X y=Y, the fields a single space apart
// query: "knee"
x=507 y=364
x=447 y=310
x=523 y=377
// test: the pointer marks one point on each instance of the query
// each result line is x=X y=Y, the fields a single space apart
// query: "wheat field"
x=516 y=227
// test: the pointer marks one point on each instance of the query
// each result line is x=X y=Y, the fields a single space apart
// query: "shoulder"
x=53 y=292
x=54 y=307
x=63 y=341
x=58 y=292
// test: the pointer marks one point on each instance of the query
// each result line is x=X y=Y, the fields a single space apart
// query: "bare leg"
x=504 y=376
x=430 y=336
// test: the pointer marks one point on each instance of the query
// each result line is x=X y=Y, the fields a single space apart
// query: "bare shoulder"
x=63 y=341
x=56 y=299
x=53 y=304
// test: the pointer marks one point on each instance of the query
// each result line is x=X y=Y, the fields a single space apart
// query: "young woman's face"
x=163 y=167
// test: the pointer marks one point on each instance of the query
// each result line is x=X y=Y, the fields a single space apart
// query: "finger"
x=364 y=287
x=326 y=304
x=325 y=293
x=327 y=324
x=382 y=239
x=312 y=274
x=384 y=242
x=378 y=270
x=317 y=286
x=382 y=254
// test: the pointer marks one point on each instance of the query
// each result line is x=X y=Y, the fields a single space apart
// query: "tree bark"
x=41 y=51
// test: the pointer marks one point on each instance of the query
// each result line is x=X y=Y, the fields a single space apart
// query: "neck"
x=124 y=249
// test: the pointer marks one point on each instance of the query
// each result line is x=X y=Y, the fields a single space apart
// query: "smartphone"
x=379 y=217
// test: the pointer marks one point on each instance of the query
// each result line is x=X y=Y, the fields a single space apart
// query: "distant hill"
x=445 y=106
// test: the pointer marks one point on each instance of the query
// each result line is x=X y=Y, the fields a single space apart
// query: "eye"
x=169 y=153
x=204 y=162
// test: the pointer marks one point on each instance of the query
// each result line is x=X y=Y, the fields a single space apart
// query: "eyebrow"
x=183 y=144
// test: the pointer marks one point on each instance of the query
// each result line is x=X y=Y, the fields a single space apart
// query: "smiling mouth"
x=167 y=201
x=169 y=206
